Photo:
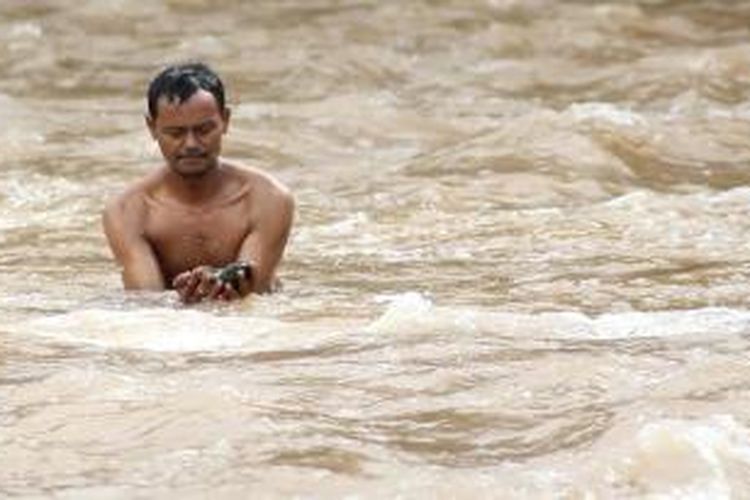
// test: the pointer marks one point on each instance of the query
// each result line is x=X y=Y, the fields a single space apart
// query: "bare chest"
x=184 y=239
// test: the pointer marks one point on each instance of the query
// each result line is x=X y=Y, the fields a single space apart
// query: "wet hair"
x=179 y=82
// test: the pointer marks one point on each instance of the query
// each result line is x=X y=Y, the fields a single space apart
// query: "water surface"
x=519 y=267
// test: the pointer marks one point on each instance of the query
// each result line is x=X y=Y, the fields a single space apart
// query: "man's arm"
x=123 y=225
x=264 y=246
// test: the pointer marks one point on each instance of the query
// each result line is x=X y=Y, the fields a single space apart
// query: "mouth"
x=192 y=158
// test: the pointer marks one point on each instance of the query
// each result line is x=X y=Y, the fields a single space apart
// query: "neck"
x=194 y=189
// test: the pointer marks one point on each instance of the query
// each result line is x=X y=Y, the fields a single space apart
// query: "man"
x=208 y=228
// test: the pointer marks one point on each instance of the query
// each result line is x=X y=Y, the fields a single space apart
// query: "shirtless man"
x=205 y=227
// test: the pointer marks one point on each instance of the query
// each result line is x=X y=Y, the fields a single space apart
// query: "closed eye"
x=175 y=133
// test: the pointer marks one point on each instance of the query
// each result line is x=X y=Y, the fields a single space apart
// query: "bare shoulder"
x=263 y=187
x=130 y=204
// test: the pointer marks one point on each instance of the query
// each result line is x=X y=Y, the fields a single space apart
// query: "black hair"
x=179 y=82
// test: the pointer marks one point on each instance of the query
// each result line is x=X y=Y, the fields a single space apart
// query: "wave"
x=167 y=329
x=675 y=458
x=413 y=312
x=591 y=151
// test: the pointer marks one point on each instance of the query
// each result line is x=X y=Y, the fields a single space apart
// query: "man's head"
x=187 y=116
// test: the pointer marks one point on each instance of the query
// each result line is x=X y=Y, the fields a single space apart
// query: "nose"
x=191 y=141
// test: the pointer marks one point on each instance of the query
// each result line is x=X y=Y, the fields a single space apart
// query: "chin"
x=192 y=171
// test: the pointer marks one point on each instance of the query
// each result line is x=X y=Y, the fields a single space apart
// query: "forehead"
x=199 y=107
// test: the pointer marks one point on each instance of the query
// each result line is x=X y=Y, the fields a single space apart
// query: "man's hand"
x=208 y=283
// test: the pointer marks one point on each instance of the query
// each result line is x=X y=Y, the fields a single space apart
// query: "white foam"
x=605 y=112
x=413 y=313
x=158 y=329
x=688 y=459
x=404 y=310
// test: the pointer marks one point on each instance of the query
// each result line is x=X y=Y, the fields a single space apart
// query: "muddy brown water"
x=519 y=267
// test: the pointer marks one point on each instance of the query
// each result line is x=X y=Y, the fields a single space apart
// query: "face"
x=189 y=133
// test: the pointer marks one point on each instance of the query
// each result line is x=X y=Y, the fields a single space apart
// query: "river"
x=519 y=266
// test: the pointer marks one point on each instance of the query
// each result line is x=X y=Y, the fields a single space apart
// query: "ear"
x=226 y=115
x=151 y=124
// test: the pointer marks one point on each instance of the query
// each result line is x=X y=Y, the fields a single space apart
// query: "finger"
x=230 y=293
x=218 y=290
x=208 y=282
x=180 y=280
x=189 y=290
x=179 y=284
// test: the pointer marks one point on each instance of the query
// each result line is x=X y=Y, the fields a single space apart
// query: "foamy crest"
x=413 y=313
x=186 y=330
x=688 y=459
x=158 y=329
x=597 y=112
x=406 y=310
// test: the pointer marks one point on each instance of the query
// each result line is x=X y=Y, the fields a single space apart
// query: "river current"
x=520 y=265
